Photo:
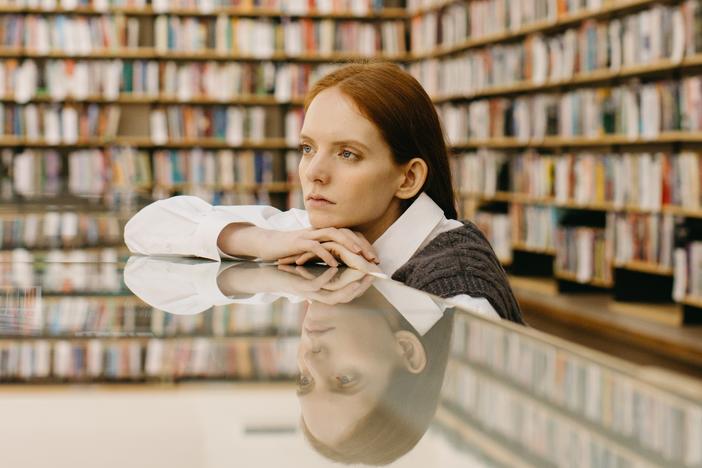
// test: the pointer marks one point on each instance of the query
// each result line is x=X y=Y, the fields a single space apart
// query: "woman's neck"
x=374 y=229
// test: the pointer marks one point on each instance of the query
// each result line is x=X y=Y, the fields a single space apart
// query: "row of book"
x=264 y=38
x=97 y=5
x=291 y=7
x=474 y=20
x=222 y=196
x=497 y=230
x=633 y=111
x=233 y=124
x=55 y=229
x=65 y=271
x=646 y=37
x=84 y=317
x=154 y=359
x=659 y=32
x=517 y=420
x=687 y=270
x=585 y=253
x=635 y=237
x=641 y=180
x=32 y=173
x=69 y=34
x=24 y=80
x=99 y=172
x=649 y=419
x=223 y=168
x=509 y=12
x=56 y=124
x=533 y=226
x=644 y=238
x=299 y=7
x=257 y=38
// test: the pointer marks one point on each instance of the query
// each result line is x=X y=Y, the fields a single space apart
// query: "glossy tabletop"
x=181 y=362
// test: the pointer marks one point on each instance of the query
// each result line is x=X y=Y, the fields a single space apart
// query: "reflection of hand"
x=334 y=289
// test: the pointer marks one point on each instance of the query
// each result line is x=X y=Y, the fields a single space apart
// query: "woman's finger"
x=349 y=258
x=344 y=237
x=305 y=257
x=368 y=250
x=288 y=260
x=323 y=254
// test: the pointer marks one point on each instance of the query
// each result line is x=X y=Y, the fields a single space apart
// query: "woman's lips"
x=318 y=330
x=318 y=201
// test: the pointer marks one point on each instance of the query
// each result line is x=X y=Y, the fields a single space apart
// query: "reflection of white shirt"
x=188 y=226
x=186 y=286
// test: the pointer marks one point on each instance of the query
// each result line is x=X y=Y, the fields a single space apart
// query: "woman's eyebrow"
x=340 y=142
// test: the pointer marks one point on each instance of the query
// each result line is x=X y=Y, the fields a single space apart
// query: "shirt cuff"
x=207 y=233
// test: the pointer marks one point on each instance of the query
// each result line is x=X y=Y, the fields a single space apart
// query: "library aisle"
x=183 y=362
x=574 y=136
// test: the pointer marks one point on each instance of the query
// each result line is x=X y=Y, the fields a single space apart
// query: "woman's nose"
x=317 y=170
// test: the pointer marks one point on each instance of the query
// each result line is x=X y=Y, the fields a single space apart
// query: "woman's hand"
x=338 y=251
x=299 y=246
x=286 y=245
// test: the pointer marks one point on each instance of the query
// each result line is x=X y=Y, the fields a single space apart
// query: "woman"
x=378 y=196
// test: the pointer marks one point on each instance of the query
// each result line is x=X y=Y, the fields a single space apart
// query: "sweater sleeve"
x=461 y=261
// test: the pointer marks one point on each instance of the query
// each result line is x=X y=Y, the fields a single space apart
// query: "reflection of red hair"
x=407 y=406
x=404 y=114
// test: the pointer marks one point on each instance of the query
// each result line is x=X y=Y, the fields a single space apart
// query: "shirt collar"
x=402 y=239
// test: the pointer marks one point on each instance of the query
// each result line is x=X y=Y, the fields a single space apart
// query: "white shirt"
x=189 y=226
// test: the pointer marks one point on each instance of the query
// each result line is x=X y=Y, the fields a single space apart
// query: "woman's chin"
x=323 y=220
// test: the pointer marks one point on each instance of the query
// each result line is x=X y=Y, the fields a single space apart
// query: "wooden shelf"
x=281 y=187
x=542 y=27
x=134 y=98
x=145 y=142
x=384 y=14
x=520 y=198
x=586 y=142
x=654 y=329
x=438 y=5
x=539 y=250
x=579 y=79
x=693 y=301
x=645 y=267
x=566 y=276
x=121 y=249
x=150 y=53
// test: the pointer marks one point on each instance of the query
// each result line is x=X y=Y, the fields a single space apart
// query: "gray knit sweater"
x=461 y=261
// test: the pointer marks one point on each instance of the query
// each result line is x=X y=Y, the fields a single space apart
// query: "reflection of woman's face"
x=346 y=358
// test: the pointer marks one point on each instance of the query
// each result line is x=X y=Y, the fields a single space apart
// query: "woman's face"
x=346 y=358
x=346 y=161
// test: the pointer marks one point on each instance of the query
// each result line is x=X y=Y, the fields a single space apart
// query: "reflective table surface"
x=181 y=362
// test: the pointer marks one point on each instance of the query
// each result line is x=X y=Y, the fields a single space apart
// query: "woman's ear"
x=412 y=353
x=414 y=174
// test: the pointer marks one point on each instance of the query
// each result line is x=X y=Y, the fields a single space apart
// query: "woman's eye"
x=346 y=154
x=305 y=149
x=303 y=381
x=344 y=380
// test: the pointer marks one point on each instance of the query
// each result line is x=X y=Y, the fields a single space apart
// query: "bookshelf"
x=132 y=84
x=609 y=86
x=84 y=337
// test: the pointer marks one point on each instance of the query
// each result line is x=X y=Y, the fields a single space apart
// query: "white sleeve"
x=478 y=305
x=189 y=226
